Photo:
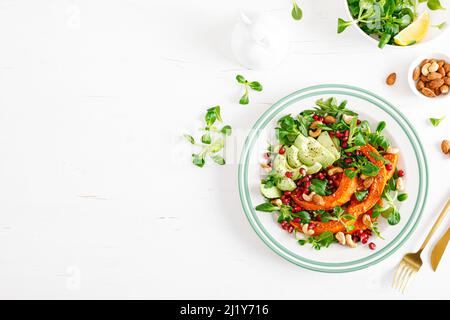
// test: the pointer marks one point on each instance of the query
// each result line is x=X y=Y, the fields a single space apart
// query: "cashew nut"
x=315 y=132
x=340 y=237
x=335 y=170
x=266 y=167
x=400 y=186
x=425 y=70
x=368 y=182
x=317 y=199
x=367 y=220
x=349 y=241
x=306 y=230
x=433 y=67
x=309 y=197
x=277 y=202
x=347 y=119
x=392 y=150
x=363 y=176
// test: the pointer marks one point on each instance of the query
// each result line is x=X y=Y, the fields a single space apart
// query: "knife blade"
x=439 y=249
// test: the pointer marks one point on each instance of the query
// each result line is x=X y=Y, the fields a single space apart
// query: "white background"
x=98 y=198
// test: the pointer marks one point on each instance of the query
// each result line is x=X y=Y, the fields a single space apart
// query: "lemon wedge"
x=415 y=32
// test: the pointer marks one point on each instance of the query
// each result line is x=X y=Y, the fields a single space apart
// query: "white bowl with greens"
x=380 y=21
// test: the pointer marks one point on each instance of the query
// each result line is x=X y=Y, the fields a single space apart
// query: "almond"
x=445 y=146
x=428 y=92
x=434 y=75
x=423 y=78
x=437 y=92
x=420 y=85
x=444 y=89
x=447 y=81
x=447 y=68
x=441 y=63
x=424 y=62
x=416 y=74
x=436 y=83
x=390 y=80
x=329 y=120
x=442 y=71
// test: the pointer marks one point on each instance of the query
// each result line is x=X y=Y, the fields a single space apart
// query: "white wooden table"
x=99 y=198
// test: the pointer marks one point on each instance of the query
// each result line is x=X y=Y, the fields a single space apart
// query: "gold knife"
x=439 y=249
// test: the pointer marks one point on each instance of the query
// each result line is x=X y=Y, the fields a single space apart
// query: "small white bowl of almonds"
x=429 y=76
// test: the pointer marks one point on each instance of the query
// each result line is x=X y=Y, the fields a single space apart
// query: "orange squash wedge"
x=341 y=196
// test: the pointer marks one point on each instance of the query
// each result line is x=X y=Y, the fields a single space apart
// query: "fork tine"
x=410 y=275
x=402 y=277
x=400 y=269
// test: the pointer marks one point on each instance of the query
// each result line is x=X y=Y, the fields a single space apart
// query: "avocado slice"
x=316 y=167
x=311 y=151
x=292 y=157
x=325 y=140
x=281 y=166
x=286 y=184
x=271 y=193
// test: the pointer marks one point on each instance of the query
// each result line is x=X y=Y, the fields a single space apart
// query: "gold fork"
x=411 y=262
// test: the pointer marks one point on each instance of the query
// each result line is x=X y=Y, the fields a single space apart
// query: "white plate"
x=336 y=258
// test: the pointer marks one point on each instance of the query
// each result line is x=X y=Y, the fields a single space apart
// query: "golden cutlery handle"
x=436 y=224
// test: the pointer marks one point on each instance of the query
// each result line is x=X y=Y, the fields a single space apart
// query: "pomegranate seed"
x=282 y=150
x=346 y=133
x=331 y=133
x=321 y=175
x=401 y=173
x=339 y=134
x=321 y=119
x=298 y=209
x=303 y=171
x=296 y=220
x=349 y=154
x=307 y=184
x=358 y=153
x=364 y=240
x=359 y=232
x=348 y=161
x=285 y=200
x=369 y=232
x=290 y=229
x=316 y=117
x=389 y=167
x=344 y=145
x=287 y=193
x=372 y=246
x=288 y=174
x=358 y=122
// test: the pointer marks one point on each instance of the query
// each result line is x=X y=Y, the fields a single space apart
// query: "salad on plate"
x=330 y=178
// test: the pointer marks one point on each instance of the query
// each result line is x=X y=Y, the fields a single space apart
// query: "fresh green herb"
x=351 y=173
x=210 y=143
x=390 y=213
x=361 y=195
x=218 y=159
x=267 y=207
x=435 y=5
x=189 y=138
x=402 y=197
x=296 y=13
x=331 y=107
x=440 y=26
x=319 y=187
x=338 y=214
x=272 y=179
x=254 y=85
x=322 y=241
x=369 y=169
x=376 y=211
x=394 y=218
x=435 y=121
x=303 y=215
x=375 y=230
x=380 y=127
x=285 y=213
x=287 y=130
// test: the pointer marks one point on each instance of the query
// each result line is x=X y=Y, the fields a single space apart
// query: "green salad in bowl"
x=394 y=22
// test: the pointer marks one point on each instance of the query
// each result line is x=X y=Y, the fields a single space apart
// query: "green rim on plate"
x=294 y=257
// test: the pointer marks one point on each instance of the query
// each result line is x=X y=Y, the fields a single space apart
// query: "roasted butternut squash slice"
x=342 y=195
